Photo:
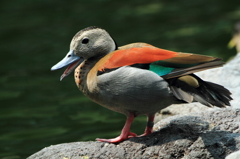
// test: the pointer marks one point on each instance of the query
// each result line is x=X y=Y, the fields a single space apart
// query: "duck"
x=235 y=41
x=138 y=78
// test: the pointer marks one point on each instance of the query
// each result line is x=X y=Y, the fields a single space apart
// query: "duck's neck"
x=84 y=83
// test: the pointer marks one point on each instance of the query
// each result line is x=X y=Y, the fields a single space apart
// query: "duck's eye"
x=85 y=40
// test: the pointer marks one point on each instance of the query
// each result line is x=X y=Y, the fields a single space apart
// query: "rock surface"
x=234 y=155
x=212 y=134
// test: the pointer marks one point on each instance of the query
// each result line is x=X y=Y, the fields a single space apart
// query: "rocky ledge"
x=212 y=134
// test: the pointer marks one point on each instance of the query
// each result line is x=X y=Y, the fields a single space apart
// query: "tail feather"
x=207 y=93
x=220 y=95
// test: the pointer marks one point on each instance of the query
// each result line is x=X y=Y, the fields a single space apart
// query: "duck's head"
x=88 y=43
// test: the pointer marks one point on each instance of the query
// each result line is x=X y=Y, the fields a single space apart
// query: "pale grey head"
x=92 y=41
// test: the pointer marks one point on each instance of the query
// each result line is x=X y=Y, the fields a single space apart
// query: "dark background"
x=38 y=111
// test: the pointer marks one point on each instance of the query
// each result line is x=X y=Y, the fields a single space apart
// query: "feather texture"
x=165 y=63
x=137 y=53
x=185 y=71
x=204 y=92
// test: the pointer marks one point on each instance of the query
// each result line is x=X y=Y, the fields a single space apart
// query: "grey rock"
x=181 y=109
x=211 y=134
x=234 y=155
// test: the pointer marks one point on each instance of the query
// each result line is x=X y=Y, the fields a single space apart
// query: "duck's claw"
x=131 y=134
x=119 y=138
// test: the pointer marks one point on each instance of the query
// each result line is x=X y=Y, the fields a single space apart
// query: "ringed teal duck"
x=138 y=78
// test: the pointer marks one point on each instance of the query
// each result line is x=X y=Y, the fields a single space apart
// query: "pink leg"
x=125 y=132
x=149 y=126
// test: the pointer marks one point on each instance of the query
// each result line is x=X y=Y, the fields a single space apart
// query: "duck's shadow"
x=190 y=135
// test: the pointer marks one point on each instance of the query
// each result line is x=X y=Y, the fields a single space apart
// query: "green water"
x=37 y=110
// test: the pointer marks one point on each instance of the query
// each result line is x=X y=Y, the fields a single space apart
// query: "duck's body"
x=138 y=78
x=127 y=89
